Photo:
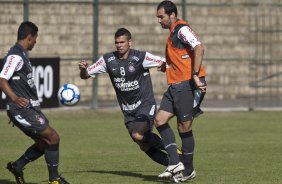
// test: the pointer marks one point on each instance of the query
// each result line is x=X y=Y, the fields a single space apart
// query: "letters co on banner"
x=46 y=75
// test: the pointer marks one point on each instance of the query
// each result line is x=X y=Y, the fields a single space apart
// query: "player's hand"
x=162 y=67
x=83 y=65
x=201 y=86
x=21 y=102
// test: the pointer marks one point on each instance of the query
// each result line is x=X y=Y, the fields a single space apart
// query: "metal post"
x=26 y=10
x=184 y=10
x=94 y=104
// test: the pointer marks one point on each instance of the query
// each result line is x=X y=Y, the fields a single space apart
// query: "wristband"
x=195 y=73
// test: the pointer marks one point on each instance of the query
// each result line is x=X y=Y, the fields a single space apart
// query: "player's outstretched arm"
x=151 y=61
x=83 y=69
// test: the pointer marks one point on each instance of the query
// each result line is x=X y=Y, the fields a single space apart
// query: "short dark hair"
x=122 y=32
x=27 y=28
x=169 y=7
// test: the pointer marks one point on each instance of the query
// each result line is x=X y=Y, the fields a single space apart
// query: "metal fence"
x=266 y=66
x=242 y=39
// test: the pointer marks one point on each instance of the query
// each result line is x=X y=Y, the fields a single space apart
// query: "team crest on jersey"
x=40 y=120
x=131 y=67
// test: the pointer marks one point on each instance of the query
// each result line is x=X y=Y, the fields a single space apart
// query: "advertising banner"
x=46 y=73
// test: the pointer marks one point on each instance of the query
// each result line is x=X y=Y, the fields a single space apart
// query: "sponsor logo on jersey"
x=91 y=67
x=123 y=85
x=119 y=79
x=131 y=107
x=153 y=59
x=99 y=62
x=30 y=80
x=183 y=37
x=9 y=65
x=18 y=67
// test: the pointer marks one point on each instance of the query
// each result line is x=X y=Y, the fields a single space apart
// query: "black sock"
x=158 y=156
x=153 y=140
x=188 y=144
x=168 y=139
x=52 y=160
x=31 y=154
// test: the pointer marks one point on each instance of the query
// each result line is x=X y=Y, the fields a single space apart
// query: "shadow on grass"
x=130 y=174
x=10 y=182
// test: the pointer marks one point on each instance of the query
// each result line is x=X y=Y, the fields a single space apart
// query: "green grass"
x=231 y=148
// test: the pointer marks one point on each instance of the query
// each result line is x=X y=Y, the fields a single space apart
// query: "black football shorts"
x=144 y=114
x=29 y=120
x=180 y=100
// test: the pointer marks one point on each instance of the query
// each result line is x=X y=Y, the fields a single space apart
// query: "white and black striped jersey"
x=17 y=70
x=130 y=77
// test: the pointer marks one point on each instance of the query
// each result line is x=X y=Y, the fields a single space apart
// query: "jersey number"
x=122 y=71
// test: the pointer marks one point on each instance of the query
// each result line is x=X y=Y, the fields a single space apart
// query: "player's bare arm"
x=6 y=88
x=198 y=57
x=83 y=69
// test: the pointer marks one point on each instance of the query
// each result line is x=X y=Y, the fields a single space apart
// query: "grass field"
x=231 y=148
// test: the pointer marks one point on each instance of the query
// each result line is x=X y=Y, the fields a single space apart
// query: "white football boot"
x=172 y=170
x=187 y=177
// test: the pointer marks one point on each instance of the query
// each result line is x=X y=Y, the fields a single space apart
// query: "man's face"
x=163 y=18
x=122 y=44
x=31 y=41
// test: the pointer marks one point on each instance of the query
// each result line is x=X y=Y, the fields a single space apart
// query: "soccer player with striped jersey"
x=128 y=70
x=187 y=86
